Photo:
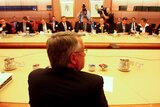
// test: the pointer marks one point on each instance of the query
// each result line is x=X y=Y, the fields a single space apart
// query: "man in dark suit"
x=25 y=26
x=44 y=26
x=4 y=26
x=123 y=27
x=102 y=27
x=93 y=24
x=64 y=84
x=15 y=24
x=54 y=24
x=64 y=25
x=84 y=26
x=133 y=25
x=144 y=27
x=77 y=24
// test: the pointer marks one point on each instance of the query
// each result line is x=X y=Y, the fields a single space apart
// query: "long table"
x=91 y=41
x=138 y=86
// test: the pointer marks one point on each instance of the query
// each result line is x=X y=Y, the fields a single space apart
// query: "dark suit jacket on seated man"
x=64 y=84
x=44 y=27
x=24 y=26
x=123 y=26
x=54 y=24
x=102 y=27
x=64 y=25
x=5 y=26
x=84 y=26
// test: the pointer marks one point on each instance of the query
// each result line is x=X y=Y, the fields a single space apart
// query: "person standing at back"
x=64 y=84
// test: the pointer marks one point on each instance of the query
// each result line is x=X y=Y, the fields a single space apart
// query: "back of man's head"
x=60 y=46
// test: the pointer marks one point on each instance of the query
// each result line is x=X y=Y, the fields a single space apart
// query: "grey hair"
x=60 y=46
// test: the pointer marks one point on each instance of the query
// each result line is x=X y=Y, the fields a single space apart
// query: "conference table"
x=92 y=41
x=137 y=87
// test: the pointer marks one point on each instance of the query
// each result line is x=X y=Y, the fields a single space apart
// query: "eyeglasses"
x=85 y=51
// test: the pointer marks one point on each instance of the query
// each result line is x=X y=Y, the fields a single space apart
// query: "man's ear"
x=72 y=58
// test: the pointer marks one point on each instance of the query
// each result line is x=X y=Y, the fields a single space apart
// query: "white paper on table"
x=108 y=83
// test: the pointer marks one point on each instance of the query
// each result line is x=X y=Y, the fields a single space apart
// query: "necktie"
x=24 y=27
x=65 y=26
x=133 y=26
x=53 y=25
x=84 y=26
x=123 y=27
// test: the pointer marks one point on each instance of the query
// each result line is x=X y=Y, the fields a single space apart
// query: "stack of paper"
x=5 y=78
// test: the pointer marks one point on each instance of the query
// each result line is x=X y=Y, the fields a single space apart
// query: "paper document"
x=5 y=78
x=108 y=83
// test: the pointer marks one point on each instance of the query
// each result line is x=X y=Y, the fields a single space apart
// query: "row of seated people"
x=84 y=26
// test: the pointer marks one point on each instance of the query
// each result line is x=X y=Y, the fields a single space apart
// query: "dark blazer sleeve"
x=40 y=27
x=102 y=99
x=30 y=27
x=56 y=27
x=49 y=26
x=60 y=27
x=88 y=27
x=69 y=26
x=119 y=28
x=158 y=29
x=8 y=28
x=76 y=27
x=149 y=30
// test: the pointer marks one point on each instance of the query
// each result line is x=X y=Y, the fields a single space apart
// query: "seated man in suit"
x=77 y=24
x=64 y=25
x=44 y=26
x=84 y=26
x=25 y=26
x=144 y=27
x=158 y=30
x=4 y=26
x=93 y=24
x=64 y=84
x=54 y=24
x=102 y=27
x=133 y=25
x=123 y=27
x=15 y=24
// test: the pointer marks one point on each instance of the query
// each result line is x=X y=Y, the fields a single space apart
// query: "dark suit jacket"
x=61 y=27
x=130 y=26
x=16 y=26
x=88 y=27
x=65 y=87
x=55 y=26
x=120 y=29
x=98 y=28
x=40 y=27
x=76 y=26
x=158 y=29
x=147 y=29
x=27 y=25
x=7 y=28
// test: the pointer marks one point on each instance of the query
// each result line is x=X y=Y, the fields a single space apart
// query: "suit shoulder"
x=38 y=71
x=92 y=76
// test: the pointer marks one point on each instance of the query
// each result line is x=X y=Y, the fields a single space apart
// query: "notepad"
x=5 y=78
x=108 y=83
